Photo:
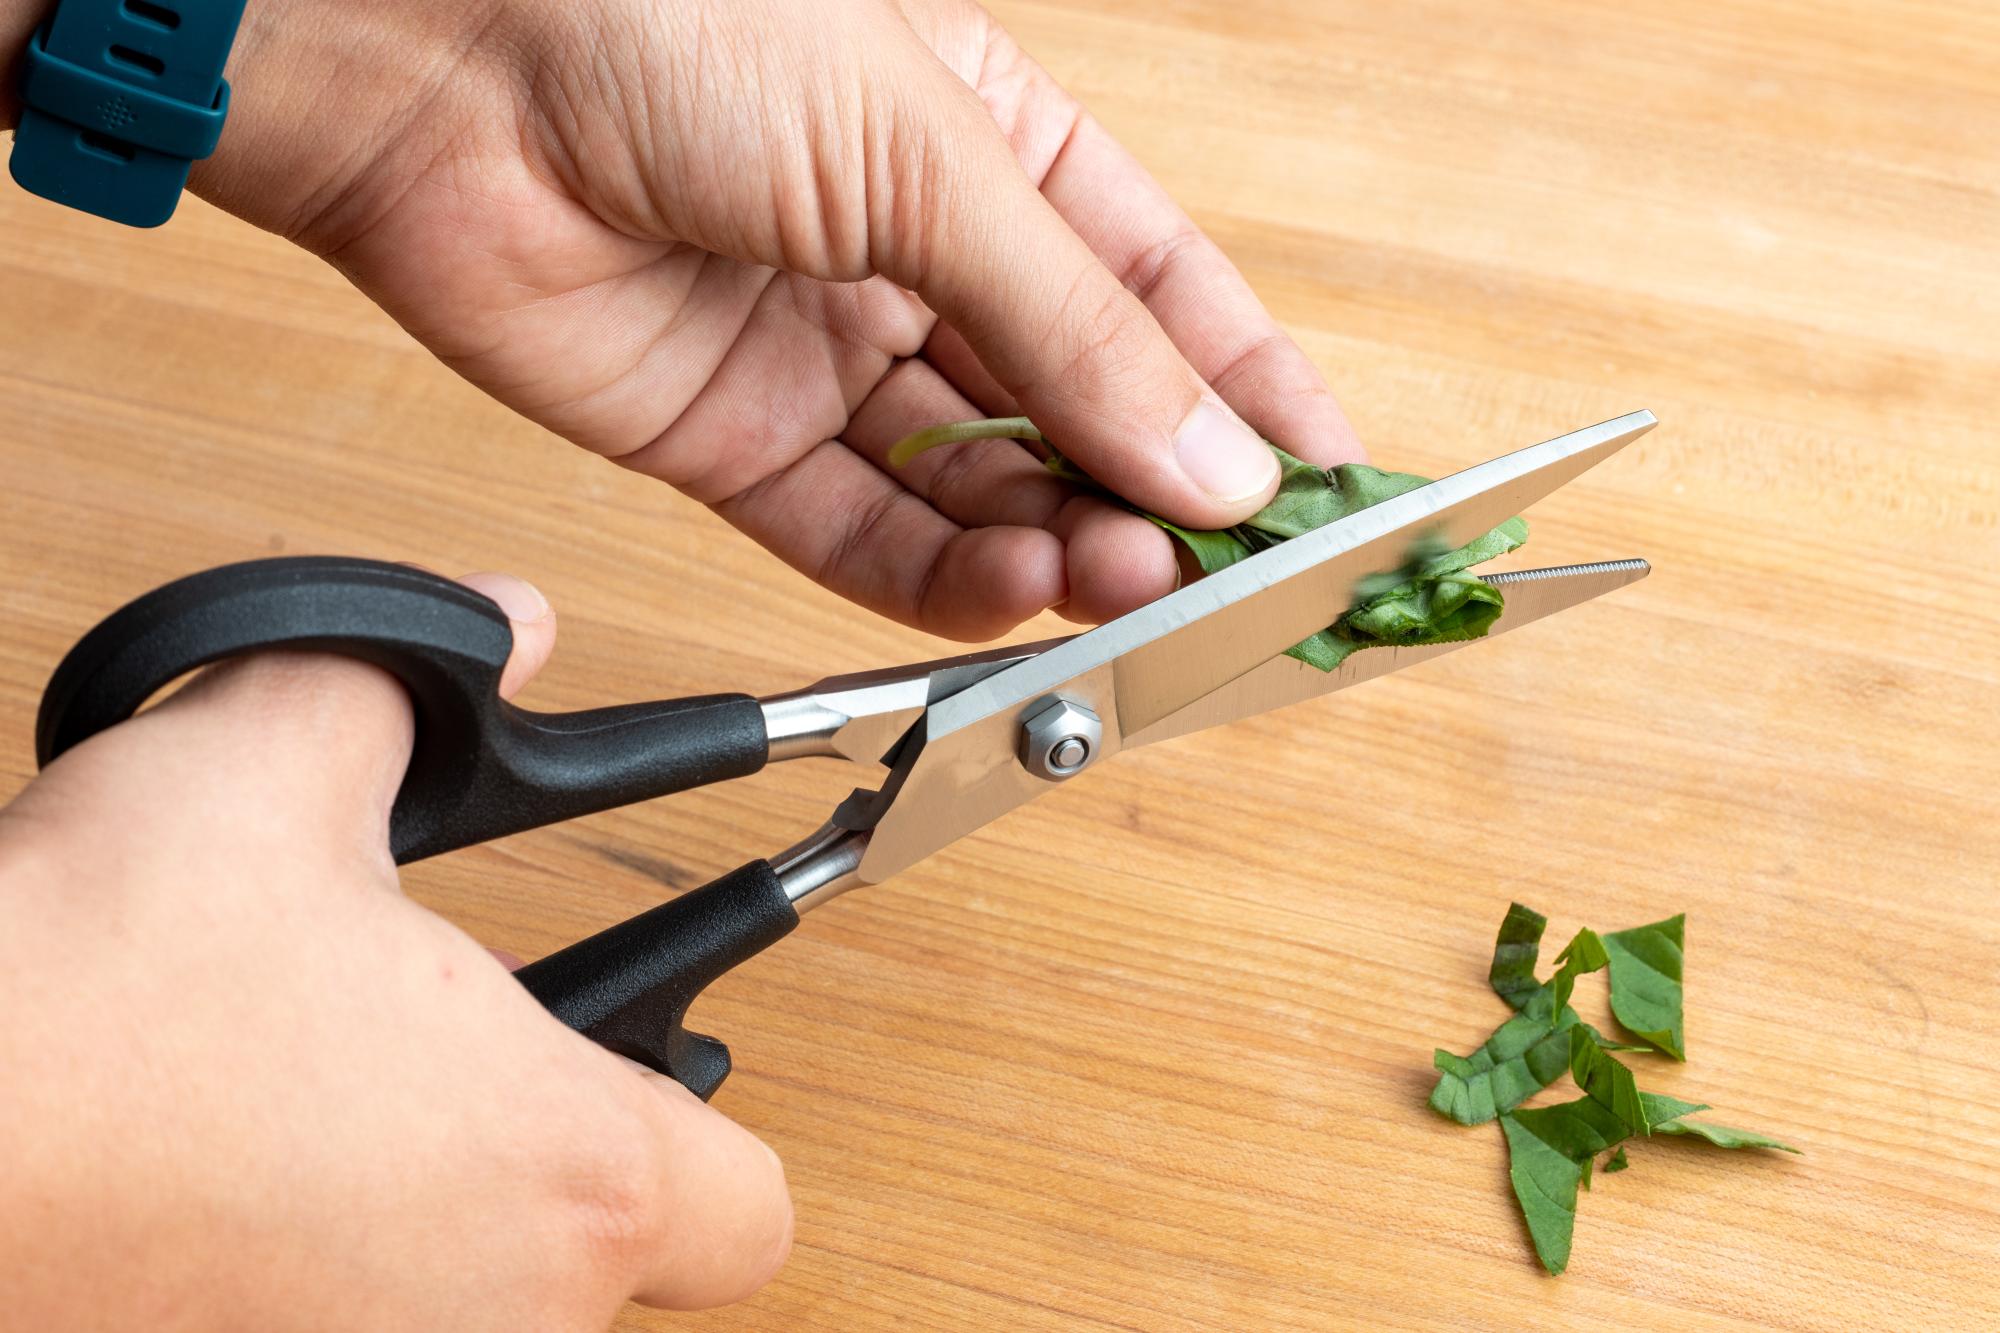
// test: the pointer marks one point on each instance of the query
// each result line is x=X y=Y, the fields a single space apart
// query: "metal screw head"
x=1059 y=738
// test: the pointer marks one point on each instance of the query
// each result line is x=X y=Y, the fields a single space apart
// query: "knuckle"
x=612 y=1200
x=1153 y=266
x=1262 y=362
x=912 y=177
x=940 y=175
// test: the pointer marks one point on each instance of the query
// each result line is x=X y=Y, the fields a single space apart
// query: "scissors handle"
x=481 y=768
x=629 y=987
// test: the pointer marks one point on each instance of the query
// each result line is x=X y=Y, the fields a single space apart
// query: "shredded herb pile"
x=1551 y=1149
x=1432 y=599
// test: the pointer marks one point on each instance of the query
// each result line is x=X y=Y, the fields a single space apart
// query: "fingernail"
x=520 y=599
x=1222 y=456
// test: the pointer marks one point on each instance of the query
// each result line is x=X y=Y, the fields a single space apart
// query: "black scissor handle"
x=481 y=768
x=629 y=987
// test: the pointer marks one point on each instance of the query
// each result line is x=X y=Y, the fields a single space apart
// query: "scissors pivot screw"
x=1059 y=738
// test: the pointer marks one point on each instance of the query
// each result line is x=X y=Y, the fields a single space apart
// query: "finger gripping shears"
x=964 y=740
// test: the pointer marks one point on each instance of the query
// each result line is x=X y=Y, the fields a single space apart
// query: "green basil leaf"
x=1545 y=1182
x=1325 y=650
x=1607 y=1044
x=1584 y=953
x=1430 y=600
x=1311 y=497
x=1212 y=550
x=1529 y=1050
x=1547 y=1149
x=1669 y=1116
x=1495 y=543
x=1550 y=1150
x=1661 y=1108
x=1432 y=610
x=1723 y=1136
x=1523 y=1056
x=1646 y=982
x=1515 y=952
x=1606 y=1081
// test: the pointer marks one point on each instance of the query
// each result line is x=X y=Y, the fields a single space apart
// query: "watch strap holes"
x=139 y=60
x=157 y=15
x=103 y=145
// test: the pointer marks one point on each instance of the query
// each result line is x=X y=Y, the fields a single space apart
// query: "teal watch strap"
x=119 y=99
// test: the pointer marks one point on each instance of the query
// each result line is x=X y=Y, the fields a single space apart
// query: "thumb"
x=533 y=622
x=724 y=1222
x=1057 y=330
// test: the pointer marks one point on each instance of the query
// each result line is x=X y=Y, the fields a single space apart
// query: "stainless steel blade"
x=1283 y=681
x=959 y=770
x=1184 y=647
x=858 y=717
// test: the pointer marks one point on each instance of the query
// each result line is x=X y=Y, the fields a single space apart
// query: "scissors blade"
x=1532 y=594
x=956 y=770
x=1182 y=648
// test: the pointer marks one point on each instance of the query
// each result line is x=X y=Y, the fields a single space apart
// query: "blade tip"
x=1631 y=569
x=1639 y=422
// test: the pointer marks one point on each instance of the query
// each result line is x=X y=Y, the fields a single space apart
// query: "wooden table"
x=1153 y=1053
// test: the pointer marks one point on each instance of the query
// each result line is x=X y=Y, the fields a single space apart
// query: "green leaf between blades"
x=1431 y=599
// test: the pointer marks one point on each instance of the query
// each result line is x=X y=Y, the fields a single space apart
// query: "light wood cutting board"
x=1152 y=1054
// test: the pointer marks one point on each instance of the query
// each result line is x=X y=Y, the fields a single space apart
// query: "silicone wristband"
x=119 y=99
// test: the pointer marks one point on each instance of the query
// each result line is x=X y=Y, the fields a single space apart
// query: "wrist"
x=118 y=99
x=319 y=95
x=325 y=97
x=18 y=21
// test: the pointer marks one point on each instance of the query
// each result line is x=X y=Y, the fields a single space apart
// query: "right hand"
x=250 y=1085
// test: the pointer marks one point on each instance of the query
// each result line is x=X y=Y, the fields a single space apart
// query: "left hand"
x=708 y=237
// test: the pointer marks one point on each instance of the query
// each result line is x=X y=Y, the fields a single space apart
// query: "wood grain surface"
x=1152 y=1054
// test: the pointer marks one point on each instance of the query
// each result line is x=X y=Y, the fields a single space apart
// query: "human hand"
x=707 y=238
x=251 y=1085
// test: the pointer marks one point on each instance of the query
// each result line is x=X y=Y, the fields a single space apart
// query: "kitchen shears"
x=964 y=740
